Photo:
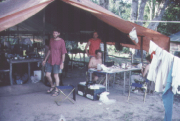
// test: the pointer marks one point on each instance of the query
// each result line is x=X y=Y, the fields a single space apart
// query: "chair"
x=139 y=85
x=69 y=87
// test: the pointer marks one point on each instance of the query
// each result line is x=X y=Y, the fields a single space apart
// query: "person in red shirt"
x=55 y=63
x=93 y=44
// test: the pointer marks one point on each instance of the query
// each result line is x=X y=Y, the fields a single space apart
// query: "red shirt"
x=57 y=49
x=94 y=45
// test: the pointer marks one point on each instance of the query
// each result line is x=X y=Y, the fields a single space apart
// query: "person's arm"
x=145 y=70
x=47 y=55
x=101 y=61
x=64 y=51
x=87 y=45
x=63 y=59
x=91 y=65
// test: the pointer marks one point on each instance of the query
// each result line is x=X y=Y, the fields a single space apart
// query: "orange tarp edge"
x=15 y=18
x=122 y=25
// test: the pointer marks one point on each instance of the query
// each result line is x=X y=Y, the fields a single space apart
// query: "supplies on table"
x=139 y=65
x=106 y=69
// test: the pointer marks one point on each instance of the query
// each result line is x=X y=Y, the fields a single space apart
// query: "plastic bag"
x=62 y=118
x=133 y=35
x=104 y=99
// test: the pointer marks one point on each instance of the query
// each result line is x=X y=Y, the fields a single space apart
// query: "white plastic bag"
x=133 y=35
x=104 y=99
x=62 y=118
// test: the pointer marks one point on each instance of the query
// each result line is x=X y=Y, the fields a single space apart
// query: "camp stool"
x=69 y=87
x=142 y=86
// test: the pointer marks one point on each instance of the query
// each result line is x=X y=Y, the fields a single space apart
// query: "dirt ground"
x=30 y=102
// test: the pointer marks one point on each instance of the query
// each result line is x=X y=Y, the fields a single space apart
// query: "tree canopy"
x=150 y=10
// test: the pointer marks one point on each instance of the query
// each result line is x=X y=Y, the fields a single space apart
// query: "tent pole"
x=44 y=21
x=43 y=44
x=18 y=34
x=8 y=35
x=142 y=50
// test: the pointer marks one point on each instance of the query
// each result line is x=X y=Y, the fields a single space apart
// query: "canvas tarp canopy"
x=13 y=12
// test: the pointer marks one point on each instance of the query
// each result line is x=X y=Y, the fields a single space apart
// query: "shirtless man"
x=144 y=72
x=94 y=61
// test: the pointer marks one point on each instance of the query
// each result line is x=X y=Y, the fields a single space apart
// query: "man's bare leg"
x=56 y=77
x=48 y=76
x=108 y=77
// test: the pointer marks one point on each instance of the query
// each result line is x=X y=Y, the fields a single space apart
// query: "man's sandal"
x=50 y=90
x=56 y=93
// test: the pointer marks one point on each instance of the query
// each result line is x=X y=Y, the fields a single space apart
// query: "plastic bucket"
x=37 y=74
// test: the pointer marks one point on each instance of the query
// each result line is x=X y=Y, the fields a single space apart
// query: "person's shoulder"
x=60 y=40
x=99 y=39
x=90 y=39
x=92 y=58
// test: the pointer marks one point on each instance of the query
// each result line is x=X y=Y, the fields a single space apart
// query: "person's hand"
x=44 y=62
x=87 y=54
x=62 y=66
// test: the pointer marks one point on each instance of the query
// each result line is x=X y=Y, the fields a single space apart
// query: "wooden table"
x=13 y=61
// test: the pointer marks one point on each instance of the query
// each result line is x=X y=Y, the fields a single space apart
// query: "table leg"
x=114 y=79
x=29 y=71
x=106 y=83
x=90 y=76
x=84 y=59
x=42 y=73
x=124 y=82
x=10 y=74
x=129 y=79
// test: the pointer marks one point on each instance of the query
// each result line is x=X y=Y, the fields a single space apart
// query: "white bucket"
x=37 y=74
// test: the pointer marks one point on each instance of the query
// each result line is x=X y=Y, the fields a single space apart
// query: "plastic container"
x=37 y=74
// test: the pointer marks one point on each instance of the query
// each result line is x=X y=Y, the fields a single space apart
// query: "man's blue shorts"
x=52 y=68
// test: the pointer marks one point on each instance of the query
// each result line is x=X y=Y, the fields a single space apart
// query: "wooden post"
x=8 y=35
x=104 y=53
x=10 y=72
x=142 y=50
x=29 y=71
x=43 y=43
x=18 y=33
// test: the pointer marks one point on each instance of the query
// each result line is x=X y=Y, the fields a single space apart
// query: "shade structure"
x=87 y=16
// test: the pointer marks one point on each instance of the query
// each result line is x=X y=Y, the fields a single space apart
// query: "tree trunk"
x=134 y=10
x=159 y=14
x=141 y=12
x=104 y=4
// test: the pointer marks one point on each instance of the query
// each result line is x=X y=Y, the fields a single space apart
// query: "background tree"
x=155 y=10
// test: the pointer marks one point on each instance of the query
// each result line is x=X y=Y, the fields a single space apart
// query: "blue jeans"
x=55 y=68
x=168 y=97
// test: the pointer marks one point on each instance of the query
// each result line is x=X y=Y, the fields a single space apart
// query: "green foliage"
x=121 y=9
x=95 y=1
x=171 y=14
x=125 y=50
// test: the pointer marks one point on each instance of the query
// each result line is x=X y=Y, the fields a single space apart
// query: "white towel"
x=176 y=75
x=152 y=46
